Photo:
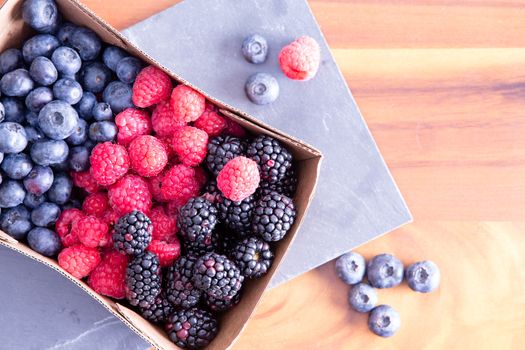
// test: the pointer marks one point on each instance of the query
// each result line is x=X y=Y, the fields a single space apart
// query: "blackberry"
x=287 y=185
x=180 y=289
x=236 y=216
x=192 y=328
x=143 y=284
x=218 y=276
x=132 y=233
x=159 y=311
x=210 y=191
x=273 y=216
x=273 y=159
x=218 y=305
x=253 y=256
x=210 y=243
x=221 y=149
x=197 y=219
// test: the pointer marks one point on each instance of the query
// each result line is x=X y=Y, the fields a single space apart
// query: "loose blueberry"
x=43 y=71
x=15 y=222
x=128 y=68
x=39 y=180
x=12 y=193
x=13 y=138
x=49 y=152
x=385 y=271
x=17 y=165
x=2 y=112
x=44 y=241
x=102 y=131
x=422 y=276
x=350 y=267
x=95 y=77
x=262 y=88
x=68 y=90
x=17 y=83
x=362 y=297
x=39 y=45
x=79 y=136
x=10 y=60
x=34 y=134
x=38 y=98
x=41 y=15
x=60 y=191
x=118 y=95
x=102 y=111
x=384 y=321
x=79 y=158
x=255 y=49
x=32 y=201
x=31 y=118
x=66 y=60
x=58 y=120
x=46 y=214
x=65 y=31
x=14 y=109
x=112 y=56
x=86 y=42
x=85 y=106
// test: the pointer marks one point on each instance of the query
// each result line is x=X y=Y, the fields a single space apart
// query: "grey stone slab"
x=357 y=199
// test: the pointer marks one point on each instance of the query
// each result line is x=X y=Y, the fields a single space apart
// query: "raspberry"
x=180 y=183
x=155 y=187
x=147 y=155
x=190 y=145
x=211 y=122
x=163 y=121
x=167 y=141
x=164 y=226
x=110 y=217
x=96 y=204
x=85 y=180
x=151 y=86
x=186 y=104
x=79 y=260
x=64 y=226
x=109 y=162
x=130 y=193
x=234 y=129
x=201 y=176
x=132 y=123
x=109 y=277
x=90 y=231
x=300 y=59
x=167 y=252
x=238 y=179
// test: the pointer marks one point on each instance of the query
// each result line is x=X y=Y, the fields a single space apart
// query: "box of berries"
x=169 y=208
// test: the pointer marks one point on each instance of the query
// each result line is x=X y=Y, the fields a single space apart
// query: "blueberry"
x=86 y=104
x=2 y=112
x=66 y=60
x=68 y=90
x=86 y=42
x=46 y=214
x=102 y=111
x=58 y=120
x=60 y=190
x=10 y=60
x=39 y=180
x=384 y=321
x=17 y=165
x=1 y=160
x=128 y=68
x=31 y=118
x=350 y=267
x=362 y=297
x=112 y=56
x=79 y=136
x=422 y=276
x=13 y=138
x=44 y=241
x=32 y=201
x=14 y=109
x=34 y=134
x=95 y=77
x=102 y=131
x=65 y=31
x=38 y=98
x=262 y=88
x=39 y=45
x=17 y=83
x=118 y=95
x=385 y=271
x=12 y=193
x=79 y=158
x=255 y=49
x=41 y=15
x=15 y=222
x=43 y=71
x=49 y=152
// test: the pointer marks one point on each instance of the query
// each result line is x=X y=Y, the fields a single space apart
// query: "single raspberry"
x=90 y=231
x=190 y=145
x=167 y=252
x=96 y=204
x=211 y=122
x=109 y=162
x=130 y=193
x=109 y=277
x=79 y=260
x=64 y=226
x=186 y=104
x=300 y=59
x=85 y=180
x=151 y=86
x=164 y=225
x=163 y=121
x=234 y=129
x=132 y=123
x=180 y=183
x=147 y=155
x=239 y=178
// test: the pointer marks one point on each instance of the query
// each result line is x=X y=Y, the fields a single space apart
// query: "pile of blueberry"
x=382 y=271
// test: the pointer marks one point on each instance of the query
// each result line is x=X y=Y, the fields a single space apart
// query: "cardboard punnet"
x=13 y=31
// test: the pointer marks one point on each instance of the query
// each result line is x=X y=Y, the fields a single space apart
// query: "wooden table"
x=442 y=87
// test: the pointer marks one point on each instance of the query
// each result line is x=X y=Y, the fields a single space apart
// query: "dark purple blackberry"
x=143 y=282
x=192 y=328
x=222 y=149
x=217 y=276
x=210 y=243
x=180 y=290
x=159 y=311
x=132 y=233
x=236 y=216
x=253 y=256
x=210 y=191
x=287 y=185
x=273 y=159
x=197 y=219
x=218 y=305
x=273 y=216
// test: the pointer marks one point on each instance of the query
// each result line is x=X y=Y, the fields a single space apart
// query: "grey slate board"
x=356 y=199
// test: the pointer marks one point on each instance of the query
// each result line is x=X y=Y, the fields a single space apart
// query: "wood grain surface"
x=442 y=87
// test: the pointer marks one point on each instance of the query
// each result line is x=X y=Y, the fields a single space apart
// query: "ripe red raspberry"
x=151 y=86
x=238 y=179
x=130 y=193
x=132 y=123
x=167 y=141
x=64 y=226
x=90 y=231
x=211 y=122
x=180 y=183
x=300 y=59
x=164 y=226
x=190 y=145
x=167 y=252
x=147 y=155
x=186 y=104
x=85 y=180
x=79 y=260
x=96 y=204
x=234 y=129
x=109 y=162
x=109 y=277
x=163 y=121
